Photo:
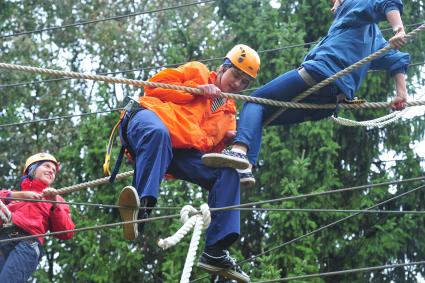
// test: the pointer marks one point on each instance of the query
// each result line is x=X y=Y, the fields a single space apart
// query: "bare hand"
x=210 y=91
x=228 y=137
x=399 y=39
x=50 y=193
x=398 y=103
x=336 y=5
x=30 y=195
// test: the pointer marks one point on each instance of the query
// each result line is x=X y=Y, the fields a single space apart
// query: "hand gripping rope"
x=199 y=222
x=5 y=215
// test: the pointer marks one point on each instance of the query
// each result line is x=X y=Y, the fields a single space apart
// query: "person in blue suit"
x=353 y=35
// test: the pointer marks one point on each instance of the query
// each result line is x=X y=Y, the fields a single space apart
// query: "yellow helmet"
x=43 y=156
x=245 y=59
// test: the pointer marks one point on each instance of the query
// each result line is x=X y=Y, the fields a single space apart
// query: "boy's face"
x=46 y=172
x=233 y=80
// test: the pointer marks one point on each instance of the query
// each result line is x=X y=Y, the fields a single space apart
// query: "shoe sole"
x=217 y=160
x=129 y=208
x=225 y=272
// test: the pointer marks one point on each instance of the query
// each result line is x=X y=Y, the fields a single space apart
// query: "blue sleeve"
x=384 y=6
x=394 y=62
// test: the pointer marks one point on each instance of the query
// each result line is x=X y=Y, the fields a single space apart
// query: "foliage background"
x=311 y=157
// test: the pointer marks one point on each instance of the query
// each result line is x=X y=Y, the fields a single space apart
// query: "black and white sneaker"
x=227 y=158
x=129 y=204
x=246 y=178
x=223 y=265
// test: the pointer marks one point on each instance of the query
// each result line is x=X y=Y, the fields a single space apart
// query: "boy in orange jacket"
x=169 y=134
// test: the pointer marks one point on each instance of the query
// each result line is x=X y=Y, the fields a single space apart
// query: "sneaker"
x=223 y=265
x=246 y=178
x=227 y=158
x=129 y=204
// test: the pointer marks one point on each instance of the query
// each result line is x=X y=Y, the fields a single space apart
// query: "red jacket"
x=37 y=217
x=188 y=117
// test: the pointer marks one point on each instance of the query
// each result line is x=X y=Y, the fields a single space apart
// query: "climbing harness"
x=198 y=222
x=126 y=114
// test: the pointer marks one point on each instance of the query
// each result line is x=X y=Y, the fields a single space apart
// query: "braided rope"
x=93 y=183
x=199 y=222
x=196 y=91
x=343 y=72
x=5 y=214
x=375 y=123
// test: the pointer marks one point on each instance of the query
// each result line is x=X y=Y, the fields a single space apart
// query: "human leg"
x=21 y=262
x=150 y=143
x=253 y=115
x=223 y=187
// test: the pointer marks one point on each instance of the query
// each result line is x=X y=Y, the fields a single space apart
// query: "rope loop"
x=191 y=218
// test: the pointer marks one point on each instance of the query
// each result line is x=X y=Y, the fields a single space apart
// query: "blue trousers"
x=18 y=260
x=154 y=156
x=283 y=88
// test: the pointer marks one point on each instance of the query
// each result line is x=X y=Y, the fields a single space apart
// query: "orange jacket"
x=188 y=117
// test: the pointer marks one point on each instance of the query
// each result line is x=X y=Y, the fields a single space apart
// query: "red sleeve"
x=5 y=194
x=191 y=74
x=60 y=220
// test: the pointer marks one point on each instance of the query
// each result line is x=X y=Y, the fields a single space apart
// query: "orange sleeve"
x=191 y=74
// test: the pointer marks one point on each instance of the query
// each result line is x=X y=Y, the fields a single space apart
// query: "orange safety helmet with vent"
x=245 y=59
x=43 y=156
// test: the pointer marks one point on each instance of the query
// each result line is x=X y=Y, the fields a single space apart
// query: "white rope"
x=5 y=215
x=375 y=123
x=199 y=222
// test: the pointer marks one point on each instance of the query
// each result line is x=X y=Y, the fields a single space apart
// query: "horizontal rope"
x=97 y=227
x=195 y=91
x=310 y=210
x=59 y=118
x=342 y=272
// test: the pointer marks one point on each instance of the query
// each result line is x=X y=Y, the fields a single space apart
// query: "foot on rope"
x=228 y=158
x=246 y=178
x=221 y=263
x=129 y=209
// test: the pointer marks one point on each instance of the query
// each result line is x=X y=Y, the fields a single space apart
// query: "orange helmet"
x=43 y=156
x=245 y=59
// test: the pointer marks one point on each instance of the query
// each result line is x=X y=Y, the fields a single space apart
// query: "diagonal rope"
x=342 y=272
x=332 y=224
x=318 y=229
x=83 y=23
x=343 y=72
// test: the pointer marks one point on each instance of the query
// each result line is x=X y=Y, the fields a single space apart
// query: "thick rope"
x=5 y=215
x=343 y=72
x=199 y=222
x=375 y=123
x=93 y=183
x=196 y=91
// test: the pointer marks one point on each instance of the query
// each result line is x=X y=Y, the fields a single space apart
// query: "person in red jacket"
x=19 y=259
x=170 y=132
